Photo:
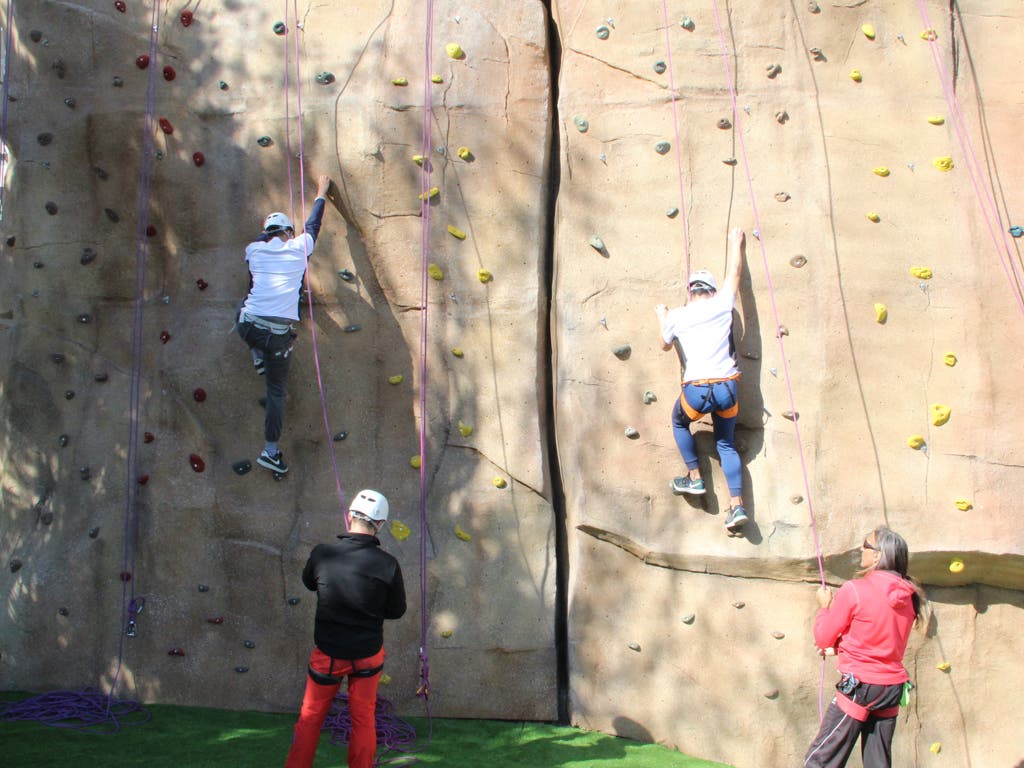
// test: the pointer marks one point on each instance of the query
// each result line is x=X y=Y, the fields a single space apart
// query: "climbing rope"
x=1011 y=268
x=86 y=710
x=679 y=150
x=759 y=236
x=4 y=159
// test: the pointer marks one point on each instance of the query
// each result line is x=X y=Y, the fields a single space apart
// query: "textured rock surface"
x=738 y=684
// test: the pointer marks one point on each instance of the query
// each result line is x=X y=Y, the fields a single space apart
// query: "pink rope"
x=990 y=210
x=737 y=121
x=679 y=146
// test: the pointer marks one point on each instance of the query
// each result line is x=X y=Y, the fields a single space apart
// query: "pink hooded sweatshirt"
x=869 y=622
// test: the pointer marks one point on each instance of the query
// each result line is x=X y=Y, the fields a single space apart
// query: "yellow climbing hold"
x=454 y=51
x=963 y=505
x=400 y=81
x=435 y=272
x=921 y=273
x=431 y=193
x=465 y=429
x=872 y=216
x=461 y=534
x=500 y=482
x=856 y=76
x=396 y=379
x=400 y=530
x=418 y=159
x=949 y=359
x=936 y=120
x=869 y=31
x=940 y=414
x=943 y=163
x=881 y=171
x=881 y=313
x=915 y=441
x=447 y=633
x=385 y=678
x=956 y=565
x=415 y=462
x=935 y=748
x=484 y=276
x=929 y=34
x=456 y=232
x=464 y=153
x=943 y=666
x=436 y=79
x=457 y=351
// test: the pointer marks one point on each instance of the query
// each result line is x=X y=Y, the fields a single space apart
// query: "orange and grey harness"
x=719 y=400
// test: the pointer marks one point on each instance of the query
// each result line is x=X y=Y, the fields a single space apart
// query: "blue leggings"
x=710 y=398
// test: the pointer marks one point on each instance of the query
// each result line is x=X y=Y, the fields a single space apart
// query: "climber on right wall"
x=703 y=329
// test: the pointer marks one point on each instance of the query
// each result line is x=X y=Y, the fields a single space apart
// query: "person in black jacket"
x=358 y=585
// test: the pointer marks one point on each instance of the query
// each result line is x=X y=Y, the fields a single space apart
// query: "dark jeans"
x=839 y=732
x=277 y=350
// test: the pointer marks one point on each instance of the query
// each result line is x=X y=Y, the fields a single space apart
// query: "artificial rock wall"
x=676 y=632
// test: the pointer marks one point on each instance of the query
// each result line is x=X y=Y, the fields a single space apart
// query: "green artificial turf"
x=192 y=737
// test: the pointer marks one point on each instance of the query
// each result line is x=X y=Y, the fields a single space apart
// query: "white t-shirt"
x=277 y=268
x=703 y=327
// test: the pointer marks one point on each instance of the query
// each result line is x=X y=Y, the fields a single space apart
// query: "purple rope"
x=393 y=733
x=8 y=42
x=89 y=710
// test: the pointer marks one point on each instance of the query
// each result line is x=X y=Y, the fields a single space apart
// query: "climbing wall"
x=877 y=315
x=215 y=550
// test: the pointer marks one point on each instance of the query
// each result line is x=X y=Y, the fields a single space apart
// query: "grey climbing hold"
x=249 y=644
x=796 y=498
x=581 y=123
x=70 y=102
x=596 y=243
x=689 y=618
x=159 y=154
x=264 y=141
x=756 y=233
x=101 y=174
x=798 y=261
x=88 y=256
x=687 y=23
x=672 y=212
x=632 y=433
x=117 y=82
x=773 y=70
x=325 y=78
x=724 y=123
x=112 y=215
x=241 y=670
x=662 y=147
x=63 y=440
x=783 y=331
x=15 y=565
x=38 y=264
x=279 y=28
x=63 y=611
x=818 y=54
x=94 y=532
x=634 y=647
x=813 y=7
x=203 y=588
x=782 y=197
x=738 y=604
x=294 y=600
x=222 y=85
x=241 y=467
x=771 y=694
x=730 y=161
x=774 y=372
x=660 y=67
x=650 y=397
x=782 y=116
x=35 y=35
x=69 y=394
x=352 y=328
x=11 y=241
x=44 y=139
x=778 y=635
x=84 y=472
x=51 y=208
x=338 y=437
x=57 y=357
x=602 y=32
x=791 y=415
x=100 y=377
x=346 y=275
x=622 y=352
x=84 y=319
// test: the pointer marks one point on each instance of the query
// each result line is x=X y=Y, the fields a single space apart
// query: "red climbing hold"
x=176 y=652
x=198 y=158
x=149 y=437
x=165 y=336
x=143 y=479
x=202 y=284
x=119 y=4
x=151 y=231
x=169 y=73
x=165 y=126
x=142 y=61
x=126 y=575
x=186 y=18
x=199 y=394
x=198 y=465
x=216 y=620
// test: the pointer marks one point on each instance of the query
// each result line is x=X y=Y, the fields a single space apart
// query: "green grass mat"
x=193 y=737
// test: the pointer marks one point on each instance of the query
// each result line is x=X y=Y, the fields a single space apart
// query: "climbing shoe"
x=736 y=518
x=681 y=485
x=273 y=463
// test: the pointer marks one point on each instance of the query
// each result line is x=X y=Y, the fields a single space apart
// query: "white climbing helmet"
x=277 y=222
x=702 y=277
x=370 y=505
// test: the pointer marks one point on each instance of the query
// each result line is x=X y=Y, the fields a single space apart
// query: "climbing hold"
x=662 y=147
x=15 y=566
x=484 y=276
x=142 y=479
x=435 y=272
x=454 y=51
x=778 y=635
x=689 y=618
x=872 y=216
x=581 y=123
x=169 y=73
x=222 y=85
x=165 y=337
x=782 y=197
x=622 y=352
x=120 y=6
x=500 y=482
x=940 y=414
x=956 y=565
x=634 y=647
x=85 y=319
x=280 y=28
x=186 y=18
x=51 y=208
x=264 y=141
x=117 y=81
x=201 y=284
x=199 y=394
x=791 y=415
x=418 y=159
x=218 y=620
x=724 y=123
x=249 y=644
x=148 y=437
x=446 y=633
x=1016 y=230
x=915 y=441
x=325 y=78
x=339 y=436
x=738 y=604
x=461 y=534
x=602 y=32
x=596 y=243
x=660 y=67
x=436 y=79
x=400 y=530
x=869 y=31
x=963 y=505
x=44 y=139
x=142 y=61
x=202 y=588
x=672 y=212
x=783 y=331
x=126 y=576
x=38 y=264
x=798 y=261
x=69 y=102
x=936 y=120
x=943 y=666
x=112 y=215
x=465 y=429
x=921 y=273
x=294 y=600
x=687 y=23
x=165 y=126
x=457 y=351
x=649 y=397
x=35 y=35
x=151 y=232
x=196 y=462
x=176 y=652
x=796 y=498
x=415 y=462
x=730 y=161
x=241 y=670
x=881 y=171
x=781 y=117
x=943 y=163
x=455 y=232
x=430 y=193
x=813 y=7
x=817 y=53
x=949 y=359
x=632 y=433
x=400 y=81
x=773 y=70
x=856 y=76
x=935 y=748
x=198 y=158
x=94 y=532
x=62 y=441
x=396 y=379
x=69 y=394
x=241 y=467
x=771 y=694
x=464 y=153
x=346 y=275
x=929 y=34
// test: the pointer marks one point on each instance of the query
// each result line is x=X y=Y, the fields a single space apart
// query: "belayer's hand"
x=824 y=595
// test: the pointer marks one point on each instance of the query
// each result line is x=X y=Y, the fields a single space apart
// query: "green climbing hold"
x=280 y=28
x=325 y=78
x=662 y=147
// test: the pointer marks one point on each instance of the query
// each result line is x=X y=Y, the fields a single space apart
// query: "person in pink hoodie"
x=866 y=624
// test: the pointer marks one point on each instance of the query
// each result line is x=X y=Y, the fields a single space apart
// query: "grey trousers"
x=839 y=732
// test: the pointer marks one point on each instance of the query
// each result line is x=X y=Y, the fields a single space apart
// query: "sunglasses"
x=868 y=545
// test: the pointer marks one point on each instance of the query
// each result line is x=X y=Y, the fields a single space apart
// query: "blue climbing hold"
x=1017 y=230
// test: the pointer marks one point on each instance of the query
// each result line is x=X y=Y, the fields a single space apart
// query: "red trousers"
x=362 y=701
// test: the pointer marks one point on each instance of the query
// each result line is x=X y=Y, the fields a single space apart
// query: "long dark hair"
x=894 y=555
